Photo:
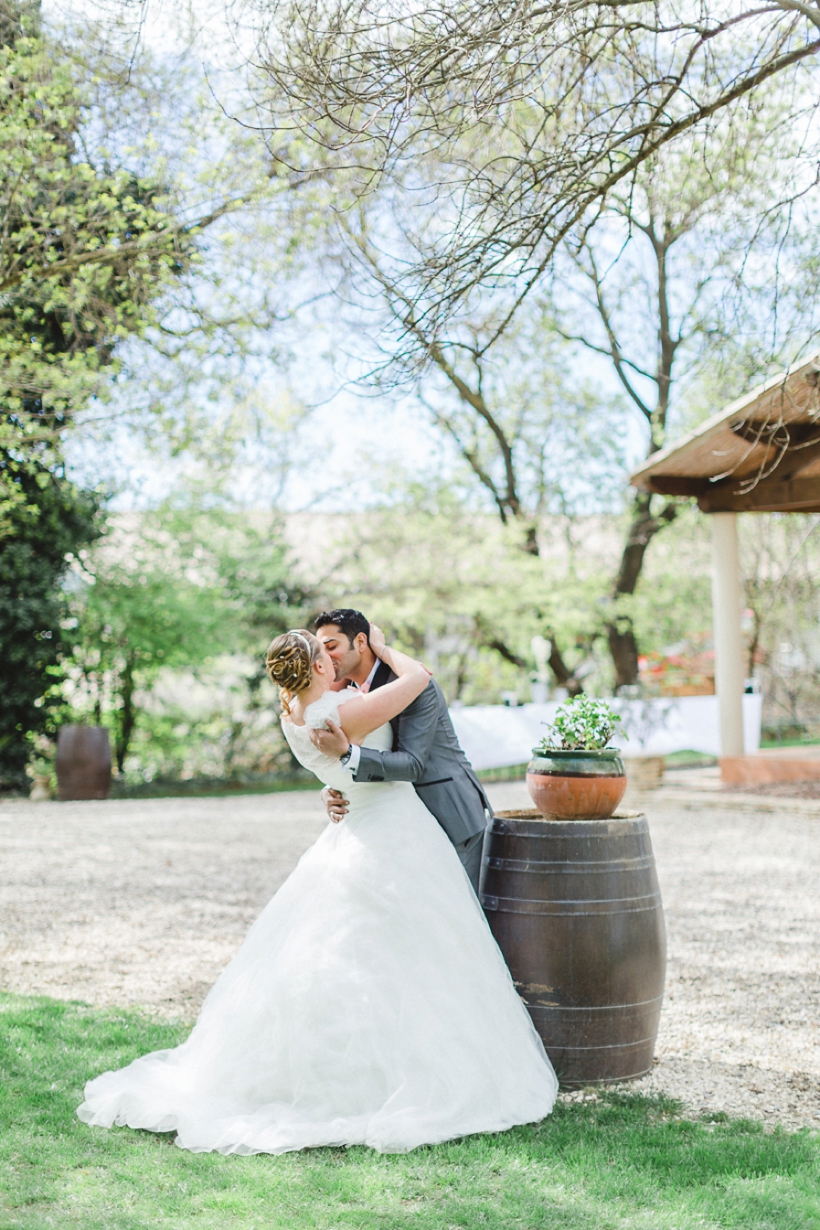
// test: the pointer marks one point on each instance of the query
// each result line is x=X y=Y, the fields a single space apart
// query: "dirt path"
x=142 y=903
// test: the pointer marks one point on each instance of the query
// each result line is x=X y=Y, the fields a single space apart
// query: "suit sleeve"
x=416 y=732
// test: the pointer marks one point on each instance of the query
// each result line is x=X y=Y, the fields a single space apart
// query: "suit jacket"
x=426 y=752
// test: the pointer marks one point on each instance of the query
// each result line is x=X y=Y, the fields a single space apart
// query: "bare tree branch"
x=488 y=88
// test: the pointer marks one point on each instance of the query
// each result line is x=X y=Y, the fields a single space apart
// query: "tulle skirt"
x=369 y=1004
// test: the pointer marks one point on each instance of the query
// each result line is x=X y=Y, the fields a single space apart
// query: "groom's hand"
x=336 y=804
x=333 y=741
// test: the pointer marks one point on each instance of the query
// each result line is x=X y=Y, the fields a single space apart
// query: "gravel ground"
x=142 y=903
x=786 y=790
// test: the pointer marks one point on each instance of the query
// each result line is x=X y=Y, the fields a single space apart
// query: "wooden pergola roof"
x=760 y=454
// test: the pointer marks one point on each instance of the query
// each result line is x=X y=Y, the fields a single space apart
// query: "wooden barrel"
x=83 y=762
x=576 y=910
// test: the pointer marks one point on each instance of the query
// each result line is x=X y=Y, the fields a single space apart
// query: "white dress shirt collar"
x=368 y=683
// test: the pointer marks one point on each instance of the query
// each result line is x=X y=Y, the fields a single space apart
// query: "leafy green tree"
x=248 y=557
x=90 y=244
x=263 y=595
x=181 y=587
x=86 y=251
x=139 y=615
x=457 y=590
x=454 y=587
x=49 y=519
x=104 y=234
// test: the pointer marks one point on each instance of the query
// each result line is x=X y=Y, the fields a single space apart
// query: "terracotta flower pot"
x=576 y=785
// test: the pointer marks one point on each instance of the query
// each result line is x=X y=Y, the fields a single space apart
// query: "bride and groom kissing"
x=425 y=748
x=369 y=1003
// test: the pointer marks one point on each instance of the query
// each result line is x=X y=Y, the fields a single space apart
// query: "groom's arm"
x=416 y=732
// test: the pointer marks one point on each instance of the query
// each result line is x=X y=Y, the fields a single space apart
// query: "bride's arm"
x=361 y=714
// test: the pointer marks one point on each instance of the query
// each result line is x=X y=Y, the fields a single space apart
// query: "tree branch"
x=614 y=345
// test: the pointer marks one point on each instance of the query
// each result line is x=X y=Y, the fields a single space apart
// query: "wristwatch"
x=346 y=757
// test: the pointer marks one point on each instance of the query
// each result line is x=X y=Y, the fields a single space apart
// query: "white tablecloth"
x=494 y=735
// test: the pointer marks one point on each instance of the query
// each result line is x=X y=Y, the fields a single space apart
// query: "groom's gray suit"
x=426 y=752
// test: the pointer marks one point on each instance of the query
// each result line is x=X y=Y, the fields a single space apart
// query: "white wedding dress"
x=369 y=1003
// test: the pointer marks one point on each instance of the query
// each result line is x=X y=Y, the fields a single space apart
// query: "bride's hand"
x=333 y=741
x=377 y=641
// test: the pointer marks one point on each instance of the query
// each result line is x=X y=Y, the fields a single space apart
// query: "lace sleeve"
x=327 y=706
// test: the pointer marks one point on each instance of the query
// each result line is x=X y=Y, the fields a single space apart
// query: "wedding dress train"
x=369 y=1003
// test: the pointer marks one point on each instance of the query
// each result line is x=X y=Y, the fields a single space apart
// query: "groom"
x=425 y=751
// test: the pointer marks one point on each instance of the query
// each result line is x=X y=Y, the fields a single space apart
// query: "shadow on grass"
x=625 y=1161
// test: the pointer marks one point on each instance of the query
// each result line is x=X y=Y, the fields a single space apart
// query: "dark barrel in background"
x=576 y=910
x=83 y=762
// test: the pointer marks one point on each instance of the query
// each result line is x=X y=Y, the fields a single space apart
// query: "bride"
x=369 y=1003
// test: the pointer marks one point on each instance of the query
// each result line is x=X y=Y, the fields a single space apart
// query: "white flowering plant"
x=582 y=724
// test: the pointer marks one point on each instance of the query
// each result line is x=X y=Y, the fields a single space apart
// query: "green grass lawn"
x=624 y=1161
x=789 y=742
x=689 y=760
x=210 y=787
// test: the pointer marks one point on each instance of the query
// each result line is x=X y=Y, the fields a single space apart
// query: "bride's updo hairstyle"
x=289 y=663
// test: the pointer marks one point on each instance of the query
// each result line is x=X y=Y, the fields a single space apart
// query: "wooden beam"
x=797 y=459
x=675 y=484
x=798 y=495
x=723 y=495
x=792 y=394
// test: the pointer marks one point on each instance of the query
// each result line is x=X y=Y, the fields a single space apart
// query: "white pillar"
x=729 y=665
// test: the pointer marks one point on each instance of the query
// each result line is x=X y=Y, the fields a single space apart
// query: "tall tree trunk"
x=623 y=649
x=128 y=714
x=643 y=527
x=563 y=675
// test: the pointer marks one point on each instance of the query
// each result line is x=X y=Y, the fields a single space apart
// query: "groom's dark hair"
x=346 y=620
